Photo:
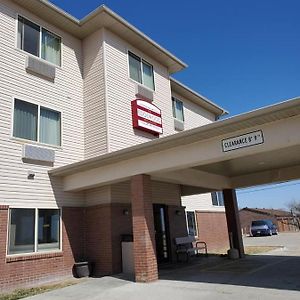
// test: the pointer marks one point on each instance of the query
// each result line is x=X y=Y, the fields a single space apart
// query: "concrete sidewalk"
x=273 y=276
x=256 y=277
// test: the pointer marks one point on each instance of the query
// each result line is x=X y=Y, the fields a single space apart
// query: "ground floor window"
x=33 y=230
x=191 y=223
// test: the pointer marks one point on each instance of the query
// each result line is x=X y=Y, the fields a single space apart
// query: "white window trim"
x=35 y=233
x=142 y=60
x=187 y=225
x=218 y=205
x=175 y=117
x=40 y=42
x=12 y=137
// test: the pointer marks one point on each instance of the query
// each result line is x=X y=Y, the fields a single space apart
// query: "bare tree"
x=294 y=207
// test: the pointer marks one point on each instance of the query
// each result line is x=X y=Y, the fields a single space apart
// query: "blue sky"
x=241 y=54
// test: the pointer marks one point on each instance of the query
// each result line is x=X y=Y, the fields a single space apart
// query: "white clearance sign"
x=146 y=116
x=242 y=141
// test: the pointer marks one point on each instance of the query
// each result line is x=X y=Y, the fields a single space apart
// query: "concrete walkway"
x=273 y=276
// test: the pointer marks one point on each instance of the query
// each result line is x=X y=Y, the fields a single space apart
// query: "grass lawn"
x=23 y=293
x=259 y=249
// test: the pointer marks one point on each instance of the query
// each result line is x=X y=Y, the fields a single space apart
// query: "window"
x=36 y=123
x=217 y=199
x=29 y=35
x=33 y=230
x=191 y=223
x=141 y=71
x=177 y=106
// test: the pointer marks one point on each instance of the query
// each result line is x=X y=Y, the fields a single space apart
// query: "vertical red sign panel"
x=146 y=116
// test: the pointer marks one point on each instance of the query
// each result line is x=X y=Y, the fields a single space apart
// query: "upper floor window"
x=217 y=199
x=191 y=223
x=177 y=106
x=38 y=41
x=141 y=71
x=36 y=123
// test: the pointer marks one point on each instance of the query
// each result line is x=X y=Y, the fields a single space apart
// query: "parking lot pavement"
x=274 y=276
x=289 y=243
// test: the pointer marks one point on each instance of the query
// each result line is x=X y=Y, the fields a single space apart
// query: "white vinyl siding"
x=95 y=118
x=121 y=91
x=65 y=95
x=194 y=115
x=162 y=192
x=202 y=202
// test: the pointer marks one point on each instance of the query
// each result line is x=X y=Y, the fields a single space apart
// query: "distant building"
x=284 y=220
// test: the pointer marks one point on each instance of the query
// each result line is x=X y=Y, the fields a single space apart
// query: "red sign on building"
x=146 y=116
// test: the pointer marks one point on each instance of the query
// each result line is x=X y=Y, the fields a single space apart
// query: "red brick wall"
x=93 y=233
x=40 y=268
x=212 y=229
x=143 y=229
x=98 y=238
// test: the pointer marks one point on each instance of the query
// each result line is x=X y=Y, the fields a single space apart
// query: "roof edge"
x=104 y=8
x=214 y=106
x=176 y=63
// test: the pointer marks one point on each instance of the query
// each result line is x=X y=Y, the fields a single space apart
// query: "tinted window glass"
x=28 y=36
x=21 y=231
x=135 y=67
x=25 y=120
x=48 y=229
x=258 y=223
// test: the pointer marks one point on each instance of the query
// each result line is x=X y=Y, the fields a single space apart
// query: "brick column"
x=233 y=220
x=143 y=229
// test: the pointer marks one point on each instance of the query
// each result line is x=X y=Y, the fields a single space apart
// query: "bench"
x=185 y=245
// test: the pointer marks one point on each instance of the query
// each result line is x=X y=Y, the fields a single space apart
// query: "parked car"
x=263 y=227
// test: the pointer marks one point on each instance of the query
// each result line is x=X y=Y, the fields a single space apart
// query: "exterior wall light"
x=178 y=212
x=125 y=212
x=30 y=175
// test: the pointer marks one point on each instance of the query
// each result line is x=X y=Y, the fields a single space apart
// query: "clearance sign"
x=146 y=116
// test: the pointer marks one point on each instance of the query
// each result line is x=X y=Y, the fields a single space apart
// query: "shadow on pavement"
x=263 y=271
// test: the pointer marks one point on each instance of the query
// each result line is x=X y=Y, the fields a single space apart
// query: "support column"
x=143 y=229
x=233 y=220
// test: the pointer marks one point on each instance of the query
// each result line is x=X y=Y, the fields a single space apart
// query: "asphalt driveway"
x=272 y=276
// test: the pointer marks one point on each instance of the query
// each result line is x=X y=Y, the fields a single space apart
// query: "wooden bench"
x=185 y=245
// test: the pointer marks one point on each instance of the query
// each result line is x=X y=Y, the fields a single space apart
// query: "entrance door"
x=161 y=232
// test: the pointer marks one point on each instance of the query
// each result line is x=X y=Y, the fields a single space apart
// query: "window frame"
x=36 y=216
x=217 y=197
x=40 y=41
x=142 y=61
x=37 y=142
x=175 y=99
x=187 y=224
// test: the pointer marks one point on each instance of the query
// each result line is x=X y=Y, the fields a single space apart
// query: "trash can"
x=127 y=254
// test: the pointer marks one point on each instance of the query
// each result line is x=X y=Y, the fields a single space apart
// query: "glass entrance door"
x=161 y=232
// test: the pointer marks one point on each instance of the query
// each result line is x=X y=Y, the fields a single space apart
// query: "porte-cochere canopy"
x=254 y=148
